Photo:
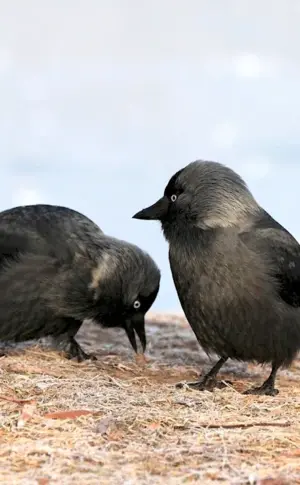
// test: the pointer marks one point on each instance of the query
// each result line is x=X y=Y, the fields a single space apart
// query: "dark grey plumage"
x=236 y=270
x=57 y=268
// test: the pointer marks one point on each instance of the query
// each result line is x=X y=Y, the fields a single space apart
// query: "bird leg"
x=74 y=351
x=67 y=343
x=208 y=381
x=267 y=388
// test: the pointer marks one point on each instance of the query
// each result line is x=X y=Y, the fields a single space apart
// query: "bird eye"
x=136 y=305
x=173 y=197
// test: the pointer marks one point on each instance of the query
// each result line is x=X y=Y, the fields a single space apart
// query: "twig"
x=16 y=400
x=43 y=353
x=237 y=425
x=116 y=383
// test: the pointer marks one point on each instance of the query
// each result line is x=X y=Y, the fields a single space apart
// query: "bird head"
x=124 y=285
x=204 y=194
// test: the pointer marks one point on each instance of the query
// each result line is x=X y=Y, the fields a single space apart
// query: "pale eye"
x=136 y=305
x=173 y=197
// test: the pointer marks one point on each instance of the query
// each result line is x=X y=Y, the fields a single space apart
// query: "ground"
x=141 y=429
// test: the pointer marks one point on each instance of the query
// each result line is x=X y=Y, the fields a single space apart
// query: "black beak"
x=136 y=325
x=156 y=211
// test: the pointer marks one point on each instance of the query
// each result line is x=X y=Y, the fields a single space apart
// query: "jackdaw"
x=236 y=270
x=57 y=268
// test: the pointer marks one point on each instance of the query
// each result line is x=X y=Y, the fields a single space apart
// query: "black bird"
x=57 y=268
x=236 y=270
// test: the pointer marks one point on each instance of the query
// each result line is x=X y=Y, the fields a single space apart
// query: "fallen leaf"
x=292 y=453
x=26 y=414
x=43 y=481
x=154 y=425
x=68 y=414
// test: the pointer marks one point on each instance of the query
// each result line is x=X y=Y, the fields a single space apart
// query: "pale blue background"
x=101 y=101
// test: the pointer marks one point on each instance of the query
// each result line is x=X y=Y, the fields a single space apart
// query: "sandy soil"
x=140 y=429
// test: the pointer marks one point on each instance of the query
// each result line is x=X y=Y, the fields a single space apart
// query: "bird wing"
x=12 y=245
x=273 y=241
x=17 y=242
x=62 y=229
x=29 y=283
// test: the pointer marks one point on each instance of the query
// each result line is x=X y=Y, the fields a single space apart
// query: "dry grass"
x=144 y=430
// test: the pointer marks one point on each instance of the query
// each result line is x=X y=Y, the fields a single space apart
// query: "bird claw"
x=208 y=384
x=262 y=391
x=75 y=352
x=80 y=356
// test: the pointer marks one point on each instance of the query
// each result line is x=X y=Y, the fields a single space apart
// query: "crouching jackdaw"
x=57 y=268
x=236 y=270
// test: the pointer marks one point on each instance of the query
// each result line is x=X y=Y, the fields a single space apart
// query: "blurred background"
x=102 y=101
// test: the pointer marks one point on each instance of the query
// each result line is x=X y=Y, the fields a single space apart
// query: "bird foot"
x=264 y=390
x=205 y=384
x=75 y=352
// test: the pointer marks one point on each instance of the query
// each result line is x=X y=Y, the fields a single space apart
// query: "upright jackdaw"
x=57 y=268
x=236 y=270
